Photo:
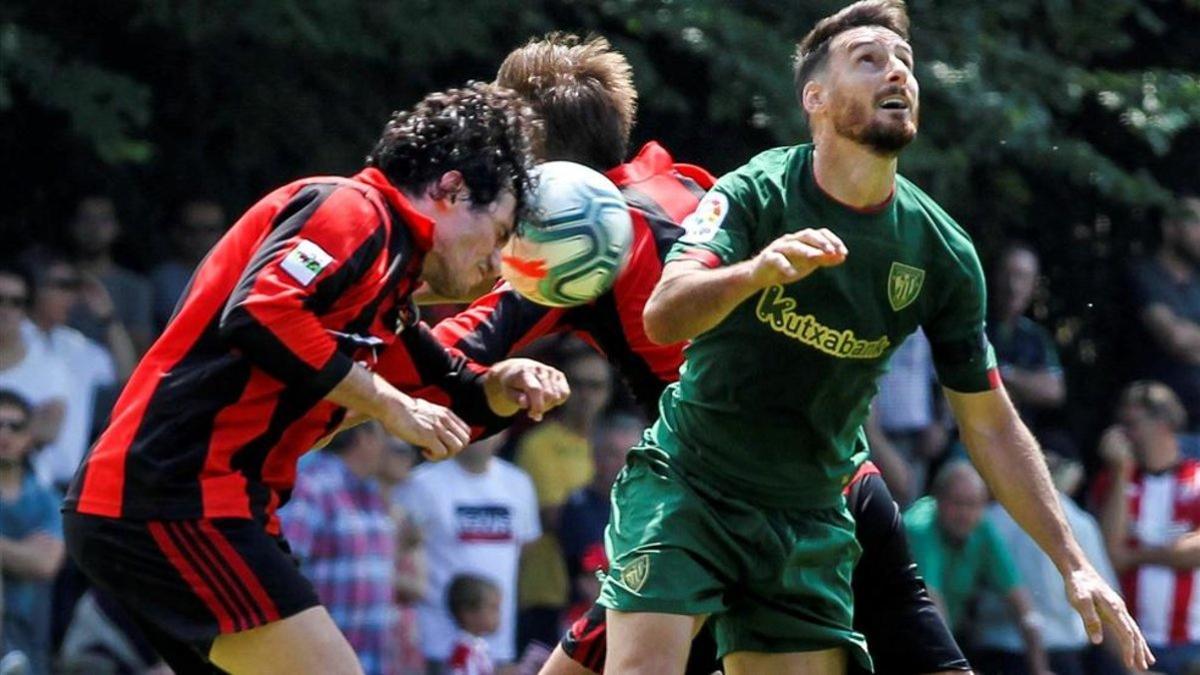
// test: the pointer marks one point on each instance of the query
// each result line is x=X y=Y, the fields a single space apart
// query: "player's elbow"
x=658 y=324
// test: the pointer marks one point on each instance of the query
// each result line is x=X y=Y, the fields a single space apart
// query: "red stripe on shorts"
x=243 y=572
x=206 y=555
x=202 y=589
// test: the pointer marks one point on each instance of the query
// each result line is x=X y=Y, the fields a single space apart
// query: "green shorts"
x=773 y=581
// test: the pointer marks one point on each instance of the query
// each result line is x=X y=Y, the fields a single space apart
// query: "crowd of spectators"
x=477 y=564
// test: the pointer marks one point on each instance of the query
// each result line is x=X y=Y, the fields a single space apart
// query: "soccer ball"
x=577 y=238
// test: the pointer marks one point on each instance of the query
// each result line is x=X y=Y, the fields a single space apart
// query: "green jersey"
x=771 y=402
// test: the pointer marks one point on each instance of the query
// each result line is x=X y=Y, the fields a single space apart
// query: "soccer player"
x=173 y=511
x=584 y=93
x=795 y=280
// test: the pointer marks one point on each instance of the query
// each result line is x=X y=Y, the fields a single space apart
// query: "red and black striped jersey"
x=314 y=277
x=660 y=194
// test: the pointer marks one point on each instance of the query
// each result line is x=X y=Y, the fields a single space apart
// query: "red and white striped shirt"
x=1165 y=601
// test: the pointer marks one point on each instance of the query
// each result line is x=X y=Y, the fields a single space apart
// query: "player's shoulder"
x=913 y=202
x=765 y=176
x=913 y=199
x=770 y=164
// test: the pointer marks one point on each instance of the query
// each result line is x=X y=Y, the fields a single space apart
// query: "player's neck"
x=851 y=173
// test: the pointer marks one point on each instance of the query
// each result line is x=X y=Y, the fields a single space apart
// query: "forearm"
x=364 y=392
x=1011 y=463
x=37 y=557
x=692 y=299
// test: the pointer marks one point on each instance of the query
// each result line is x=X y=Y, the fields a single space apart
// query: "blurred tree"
x=1063 y=122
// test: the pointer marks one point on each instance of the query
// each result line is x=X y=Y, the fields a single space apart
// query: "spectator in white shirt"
x=25 y=367
x=476 y=513
x=94 y=373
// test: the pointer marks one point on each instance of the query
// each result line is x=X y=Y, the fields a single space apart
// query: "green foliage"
x=1058 y=121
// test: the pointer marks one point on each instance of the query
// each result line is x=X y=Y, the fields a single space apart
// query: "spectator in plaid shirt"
x=339 y=526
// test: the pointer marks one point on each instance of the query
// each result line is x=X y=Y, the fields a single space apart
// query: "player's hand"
x=1100 y=606
x=525 y=384
x=433 y=428
x=796 y=255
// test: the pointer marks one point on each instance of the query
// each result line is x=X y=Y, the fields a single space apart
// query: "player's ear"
x=448 y=186
x=813 y=96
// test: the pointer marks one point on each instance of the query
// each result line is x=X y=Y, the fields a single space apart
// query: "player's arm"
x=324 y=244
x=694 y=294
x=1010 y=462
x=421 y=365
x=497 y=325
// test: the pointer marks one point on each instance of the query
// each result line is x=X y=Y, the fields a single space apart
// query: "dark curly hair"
x=480 y=130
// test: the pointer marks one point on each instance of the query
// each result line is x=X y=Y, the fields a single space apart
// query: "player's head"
x=474 y=602
x=16 y=439
x=854 y=76
x=961 y=498
x=1181 y=227
x=1015 y=279
x=1151 y=415
x=582 y=89
x=463 y=157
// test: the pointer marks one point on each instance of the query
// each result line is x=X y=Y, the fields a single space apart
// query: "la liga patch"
x=305 y=261
x=704 y=222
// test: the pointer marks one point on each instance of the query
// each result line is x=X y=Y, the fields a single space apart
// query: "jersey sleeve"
x=719 y=231
x=325 y=241
x=498 y=324
x=422 y=367
x=963 y=357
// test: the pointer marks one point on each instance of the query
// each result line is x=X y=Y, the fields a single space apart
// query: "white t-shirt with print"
x=472 y=523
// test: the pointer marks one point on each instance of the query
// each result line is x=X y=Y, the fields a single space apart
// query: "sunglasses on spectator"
x=13 y=300
x=14 y=425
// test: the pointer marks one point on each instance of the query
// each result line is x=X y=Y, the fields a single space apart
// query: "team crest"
x=635 y=573
x=904 y=285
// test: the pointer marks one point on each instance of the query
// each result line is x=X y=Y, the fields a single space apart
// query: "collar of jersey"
x=420 y=225
x=651 y=160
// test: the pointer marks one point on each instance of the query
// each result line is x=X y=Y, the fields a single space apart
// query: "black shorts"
x=184 y=582
x=905 y=632
x=892 y=607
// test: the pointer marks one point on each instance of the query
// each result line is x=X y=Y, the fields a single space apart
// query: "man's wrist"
x=497 y=399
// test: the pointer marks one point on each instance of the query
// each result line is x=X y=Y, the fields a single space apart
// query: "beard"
x=856 y=121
